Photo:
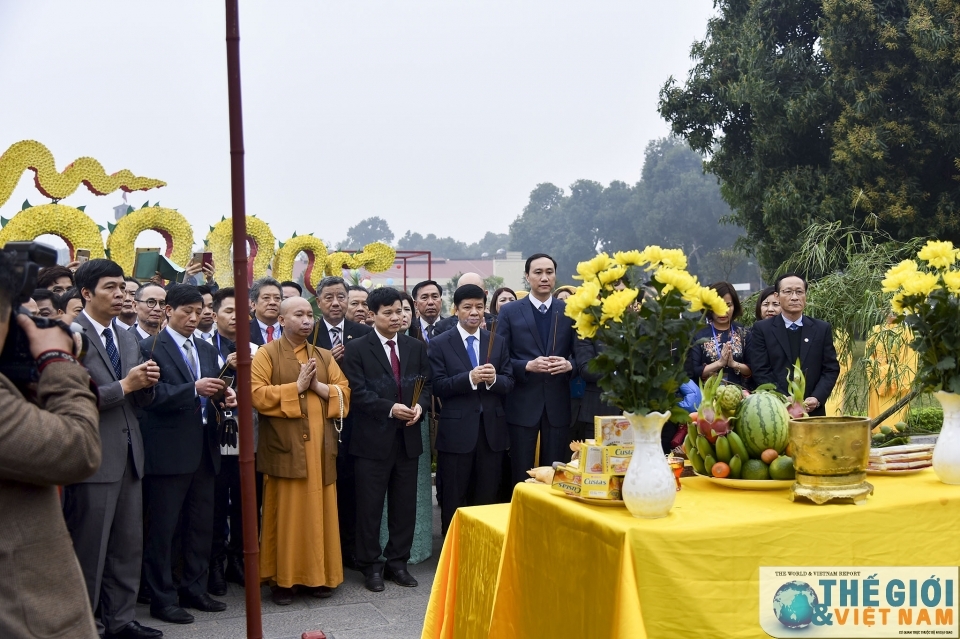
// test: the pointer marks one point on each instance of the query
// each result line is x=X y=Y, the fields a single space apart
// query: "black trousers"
x=468 y=479
x=346 y=503
x=396 y=478
x=190 y=497
x=554 y=446
x=227 y=540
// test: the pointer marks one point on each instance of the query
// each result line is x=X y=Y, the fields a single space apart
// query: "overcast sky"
x=437 y=116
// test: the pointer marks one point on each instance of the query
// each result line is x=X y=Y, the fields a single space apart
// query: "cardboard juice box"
x=616 y=459
x=601 y=486
x=612 y=430
x=566 y=480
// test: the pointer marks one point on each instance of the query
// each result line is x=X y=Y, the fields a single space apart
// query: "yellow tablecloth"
x=465 y=583
x=574 y=570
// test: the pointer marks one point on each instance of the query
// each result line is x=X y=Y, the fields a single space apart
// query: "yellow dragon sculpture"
x=29 y=154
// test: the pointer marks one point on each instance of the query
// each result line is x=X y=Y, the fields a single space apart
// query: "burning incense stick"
x=417 y=389
x=493 y=334
x=556 y=318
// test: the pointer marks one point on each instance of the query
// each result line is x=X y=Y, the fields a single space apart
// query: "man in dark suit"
x=540 y=340
x=336 y=333
x=265 y=297
x=149 y=300
x=182 y=453
x=776 y=343
x=445 y=324
x=428 y=298
x=104 y=513
x=472 y=435
x=383 y=367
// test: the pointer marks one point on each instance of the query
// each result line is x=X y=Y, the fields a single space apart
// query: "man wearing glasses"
x=778 y=342
x=149 y=301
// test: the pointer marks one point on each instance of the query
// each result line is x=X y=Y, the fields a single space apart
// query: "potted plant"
x=927 y=299
x=643 y=309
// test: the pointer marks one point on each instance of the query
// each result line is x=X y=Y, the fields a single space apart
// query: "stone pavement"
x=352 y=612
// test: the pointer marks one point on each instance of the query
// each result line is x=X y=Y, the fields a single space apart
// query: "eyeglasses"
x=151 y=303
x=797 y=291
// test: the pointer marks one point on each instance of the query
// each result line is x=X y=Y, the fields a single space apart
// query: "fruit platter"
x=739 y=439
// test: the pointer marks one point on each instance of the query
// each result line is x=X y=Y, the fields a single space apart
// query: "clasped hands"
x=554 y=365
x=307 y=380
x=146 y=375
x=412 y=415
x=212 y=386
x=485 y=374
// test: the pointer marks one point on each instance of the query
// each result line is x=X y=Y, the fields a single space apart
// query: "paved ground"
x=352 y=613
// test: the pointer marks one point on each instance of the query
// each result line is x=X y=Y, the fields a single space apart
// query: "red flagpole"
x=251 y=548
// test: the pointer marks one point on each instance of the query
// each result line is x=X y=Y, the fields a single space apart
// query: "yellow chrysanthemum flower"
x=896 y=304
x=951 y=280
x=629 y=258
x=612 y=275
x=652 y=254
x=616 y=303
x=589 y=269
x=711 y=300
x=586 y=296
x=938 y=254
x=921 y=284
x=676 y=278
x=674 y=258
x=586 y=325
x=897 y=275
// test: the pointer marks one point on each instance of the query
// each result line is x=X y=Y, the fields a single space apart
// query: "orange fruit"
x=720 y=469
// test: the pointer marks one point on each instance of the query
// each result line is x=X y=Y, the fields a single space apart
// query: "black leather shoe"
x=235 y=574
x=374 y=582
x=202 y=602
x=143 y=598
x=282 y=596
x=171 y=614
x=216 y=584
x=401 y=578
x=134 y=630
x=322 y=592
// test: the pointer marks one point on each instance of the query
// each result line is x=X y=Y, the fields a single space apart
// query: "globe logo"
x=794 y=603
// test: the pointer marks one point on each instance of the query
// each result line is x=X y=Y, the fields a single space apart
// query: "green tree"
x=371 y=229
x=833 y=110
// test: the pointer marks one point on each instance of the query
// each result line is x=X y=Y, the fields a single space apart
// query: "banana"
x=723 y=449
x=736 y=466
x=708 y=463
x=737 y=447
x=704 y=447
x=689 y=443
x=696 y=461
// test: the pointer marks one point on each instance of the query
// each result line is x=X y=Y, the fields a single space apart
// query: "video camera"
x=16 y=360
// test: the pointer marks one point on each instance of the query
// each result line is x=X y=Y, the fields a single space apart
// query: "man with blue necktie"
x=776 y=343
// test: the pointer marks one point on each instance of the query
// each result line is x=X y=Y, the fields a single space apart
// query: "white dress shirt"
x=476 y=351
x=207 y=337
x=277 y=330
x=536 y=303
x=788 y=323
x=331 y=326
x=124 y=325
x=142 y=333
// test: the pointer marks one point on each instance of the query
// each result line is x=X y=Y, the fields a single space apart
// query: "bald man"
x=449 y=322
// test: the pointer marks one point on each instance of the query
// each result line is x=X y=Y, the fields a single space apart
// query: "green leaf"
x=107 y=251
x=157 y=204
x=281 y=246
x=129 y=209
x=145 y=204
x=26 y=205
x=946 y=364
x=101 y=228
x=3 y=222
x=294 y=234
x=82 y=208
x=111 y=226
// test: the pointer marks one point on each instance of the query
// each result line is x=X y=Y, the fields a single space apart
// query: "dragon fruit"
x=711 y=421
x=796 y=389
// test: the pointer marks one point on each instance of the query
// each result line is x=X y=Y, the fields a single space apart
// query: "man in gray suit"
x=104 y=513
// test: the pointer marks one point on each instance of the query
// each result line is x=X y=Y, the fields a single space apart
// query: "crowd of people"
x=348 y=407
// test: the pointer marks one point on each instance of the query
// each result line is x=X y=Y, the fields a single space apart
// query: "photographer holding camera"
x=42 y=591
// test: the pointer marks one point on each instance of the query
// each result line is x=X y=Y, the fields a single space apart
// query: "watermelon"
x=762 y=423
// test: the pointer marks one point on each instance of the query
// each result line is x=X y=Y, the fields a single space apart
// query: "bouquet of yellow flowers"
x=643 y=309
x=927 y=299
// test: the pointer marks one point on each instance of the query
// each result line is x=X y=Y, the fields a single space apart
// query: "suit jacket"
x=445 y=324
x=460 y=420
x=769 y=356
x=590 y=405
x=351 y=331
x=42 y=592
x=136 y=334
x=174 y=434
x=536 y=392
x=118 y=412
x=374 y=392
x=255 y=335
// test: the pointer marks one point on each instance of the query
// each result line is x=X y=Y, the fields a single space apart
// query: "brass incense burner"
x=830 y=455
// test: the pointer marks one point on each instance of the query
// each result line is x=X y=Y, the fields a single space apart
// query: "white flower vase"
x=649 y=488
x=946 y=453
